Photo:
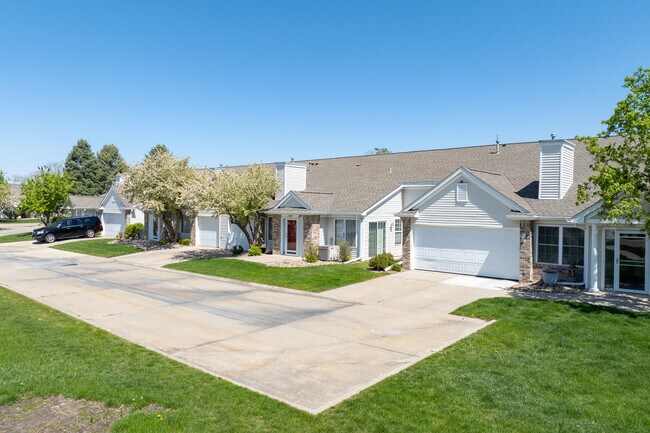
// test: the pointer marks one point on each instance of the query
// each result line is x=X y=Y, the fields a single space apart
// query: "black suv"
x=78 y=227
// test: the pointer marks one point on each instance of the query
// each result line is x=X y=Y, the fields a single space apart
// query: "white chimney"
x=555 y=168
x=292 y=176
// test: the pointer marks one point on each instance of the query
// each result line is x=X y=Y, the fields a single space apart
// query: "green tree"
x=111 y=164
x=158 y=148
x=5 y=191
x=160 y=183
x=45 y=192
x=379 y=151
x=82 y=166
x=243 y=195
x=621 y=177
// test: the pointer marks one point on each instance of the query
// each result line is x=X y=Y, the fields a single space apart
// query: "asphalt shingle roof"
x=85 y=201
x=354 y=184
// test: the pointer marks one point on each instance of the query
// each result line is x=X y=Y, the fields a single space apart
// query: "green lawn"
x=309 y=278
x=26 y=220
x=542 y=367
x=98 y=247
x=16 y=238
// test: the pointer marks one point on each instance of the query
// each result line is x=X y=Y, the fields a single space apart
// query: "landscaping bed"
x=540 y=287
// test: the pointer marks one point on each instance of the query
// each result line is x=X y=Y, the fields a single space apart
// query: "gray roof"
x=354 y=184
x=84 y=201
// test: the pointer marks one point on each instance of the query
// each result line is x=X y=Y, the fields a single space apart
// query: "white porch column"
x=593 y=260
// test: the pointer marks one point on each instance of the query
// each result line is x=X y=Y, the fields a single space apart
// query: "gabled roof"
x=356 y=183
x=478 y=181
x=122 y=203
x=84 y=201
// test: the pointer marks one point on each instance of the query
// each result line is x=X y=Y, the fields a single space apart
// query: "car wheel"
x=49 y=238
x=90 y=233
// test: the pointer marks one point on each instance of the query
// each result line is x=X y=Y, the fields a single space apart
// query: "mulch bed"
x=539 y=286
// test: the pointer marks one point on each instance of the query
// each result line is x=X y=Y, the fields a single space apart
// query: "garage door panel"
x=473 y=251
x=208 y=229
x=113 y=224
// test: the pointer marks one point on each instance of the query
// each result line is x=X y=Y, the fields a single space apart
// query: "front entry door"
x=630 y=270
x=376 y=238
x=291 y=230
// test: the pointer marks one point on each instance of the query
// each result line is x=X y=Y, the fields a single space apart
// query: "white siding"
x=295 y=177
x=292 y=202
x=292 y=177
x=549 y=172
x=410 y=194
x=567 y=170
x=386 y=212
x=555 y=168
x=482 y=210
x=137 y=216
x=112 y=204
x=224 y=226
x=327 y=231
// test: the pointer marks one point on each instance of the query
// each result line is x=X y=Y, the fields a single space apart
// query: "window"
x=548 y=244
x=461 y=192
x=398 y=232
x=573 y=246
x=560 y=245
x=345 y=230
x=186 y=224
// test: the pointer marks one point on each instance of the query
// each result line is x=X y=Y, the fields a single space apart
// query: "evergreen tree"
x=158 y=148
x=111 y=164
x=83 y=168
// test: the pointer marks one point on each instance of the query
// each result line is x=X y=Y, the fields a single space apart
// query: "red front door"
x=291 y=236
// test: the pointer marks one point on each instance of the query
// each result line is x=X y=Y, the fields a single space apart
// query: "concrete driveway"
x=310 y=351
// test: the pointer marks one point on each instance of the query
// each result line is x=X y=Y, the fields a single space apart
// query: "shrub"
x=381 y=261
x=119 y=236
x=397 y=267
x=185 y=242
x=345 y=251
x=132 y=231
x=237 y=250
x=311 y=256
x=163 y=242
x=255 y=251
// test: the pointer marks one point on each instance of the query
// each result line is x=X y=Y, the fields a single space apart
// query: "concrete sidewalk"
x=308 y=350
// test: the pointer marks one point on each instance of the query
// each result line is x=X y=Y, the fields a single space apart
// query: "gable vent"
x=555 y=168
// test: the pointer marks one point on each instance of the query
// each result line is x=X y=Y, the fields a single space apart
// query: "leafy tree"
x=5 y=191
x=111 y=164
x=622 y=166
x=83 y=168
x=159 y=184
x=379 y=151
x=243 y=194
x=45 y=192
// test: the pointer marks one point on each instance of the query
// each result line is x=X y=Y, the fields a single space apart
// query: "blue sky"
x=248 y=81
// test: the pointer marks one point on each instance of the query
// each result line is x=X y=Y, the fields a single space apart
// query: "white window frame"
x=560 y=244
x=462 y=188
x=400 y=231
x=345 y=222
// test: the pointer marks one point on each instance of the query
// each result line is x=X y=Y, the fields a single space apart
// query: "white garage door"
x=473 y=251
x=113 y=224
x=208 y=229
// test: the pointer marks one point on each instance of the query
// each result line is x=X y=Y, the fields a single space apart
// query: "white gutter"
x=309 y=212
x=526 y=217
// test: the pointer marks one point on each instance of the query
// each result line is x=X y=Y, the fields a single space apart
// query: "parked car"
x=87 y=226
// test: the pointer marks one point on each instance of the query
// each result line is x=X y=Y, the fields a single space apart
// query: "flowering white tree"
x=243 y=195
x=162 y=183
